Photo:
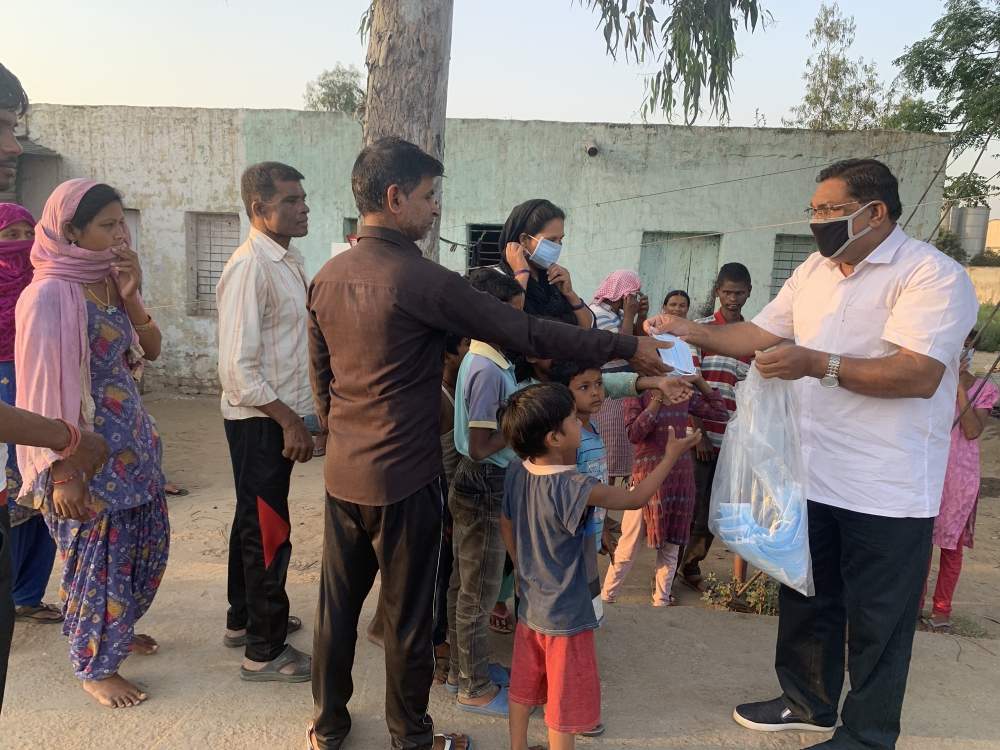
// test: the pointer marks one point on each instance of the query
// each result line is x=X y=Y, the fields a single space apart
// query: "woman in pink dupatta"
x=82 y=329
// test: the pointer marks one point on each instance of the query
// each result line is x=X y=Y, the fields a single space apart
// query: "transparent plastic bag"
x=758 y=505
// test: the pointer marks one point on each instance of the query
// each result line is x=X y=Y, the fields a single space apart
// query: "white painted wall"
x=167 y=161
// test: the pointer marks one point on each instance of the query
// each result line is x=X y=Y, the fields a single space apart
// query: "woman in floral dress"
x=666 y=519
x=82 y=332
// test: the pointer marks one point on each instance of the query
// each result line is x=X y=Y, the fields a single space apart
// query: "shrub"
x=989 y=341
x=761 y=597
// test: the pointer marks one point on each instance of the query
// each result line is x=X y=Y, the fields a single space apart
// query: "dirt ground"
x=670 y=677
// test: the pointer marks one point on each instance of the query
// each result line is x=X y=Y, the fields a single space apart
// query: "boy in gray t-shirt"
x=543 y=523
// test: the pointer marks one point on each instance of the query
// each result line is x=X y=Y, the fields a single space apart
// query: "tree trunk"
x=409 y=49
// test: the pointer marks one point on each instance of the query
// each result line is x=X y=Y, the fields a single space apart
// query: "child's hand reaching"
x=675 y=390
x=677 y=447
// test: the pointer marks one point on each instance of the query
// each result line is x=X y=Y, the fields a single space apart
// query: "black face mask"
x=835 y=235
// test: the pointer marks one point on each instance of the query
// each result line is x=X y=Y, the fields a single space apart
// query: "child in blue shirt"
x=545 y=509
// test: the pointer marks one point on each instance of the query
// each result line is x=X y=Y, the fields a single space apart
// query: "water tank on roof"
x=969 y=225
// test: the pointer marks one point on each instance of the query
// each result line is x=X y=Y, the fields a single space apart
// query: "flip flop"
x=272 y=672
x=501 y=623
x=498 y=673
x=38 y=613
x=929 y=626
x=177 y=492
x=449 y=740
x=236 y=641
x=498 y=707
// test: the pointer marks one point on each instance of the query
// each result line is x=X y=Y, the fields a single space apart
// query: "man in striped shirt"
x=732 y=288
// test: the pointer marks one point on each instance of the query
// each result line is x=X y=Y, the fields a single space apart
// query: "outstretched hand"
x=678 y=446
x=666 y=323
x=646 y=360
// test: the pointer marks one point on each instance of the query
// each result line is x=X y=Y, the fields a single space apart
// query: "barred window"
x=790 y=250
x=211 y=240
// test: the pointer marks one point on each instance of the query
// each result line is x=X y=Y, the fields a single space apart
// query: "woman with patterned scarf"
x=82 y=332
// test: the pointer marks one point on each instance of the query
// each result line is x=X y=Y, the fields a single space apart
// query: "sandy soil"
x=670 y=677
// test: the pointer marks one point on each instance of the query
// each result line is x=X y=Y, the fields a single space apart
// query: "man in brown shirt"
x=378 y=315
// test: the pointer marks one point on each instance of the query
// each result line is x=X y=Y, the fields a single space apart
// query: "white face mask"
x=546 y=252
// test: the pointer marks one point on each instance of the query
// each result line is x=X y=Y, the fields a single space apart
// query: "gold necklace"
x=105 y=303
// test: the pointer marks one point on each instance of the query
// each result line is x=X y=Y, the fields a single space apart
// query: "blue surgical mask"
x=546 y=253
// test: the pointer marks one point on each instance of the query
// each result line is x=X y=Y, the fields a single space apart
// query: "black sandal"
x=236 y=641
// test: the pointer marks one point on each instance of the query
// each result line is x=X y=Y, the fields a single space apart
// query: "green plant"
x=989 y=341
x=760 y=598
x=987 y=258
x=949 y=244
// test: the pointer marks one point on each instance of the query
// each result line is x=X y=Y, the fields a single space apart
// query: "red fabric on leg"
x=528 y=685
x=574 y=703
x=948 y=572
x=274 y=530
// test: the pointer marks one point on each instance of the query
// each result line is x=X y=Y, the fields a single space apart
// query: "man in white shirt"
x=264 y=370
x=878 y=320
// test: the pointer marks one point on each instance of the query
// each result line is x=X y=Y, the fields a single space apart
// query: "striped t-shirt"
x=723 y=373
x=592 y=460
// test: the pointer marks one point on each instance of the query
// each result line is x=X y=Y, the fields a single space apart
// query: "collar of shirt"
x=270 y=248
x=485 y=350
x=541 y=471
x=720 y=319
x=883 y=254
x=391 y=236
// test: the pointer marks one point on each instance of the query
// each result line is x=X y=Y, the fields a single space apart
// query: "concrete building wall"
x=750 y=184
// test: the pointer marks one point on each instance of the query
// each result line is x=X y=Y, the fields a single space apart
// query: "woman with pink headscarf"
x=82 y=332
x=620 y=307
x=32 y=550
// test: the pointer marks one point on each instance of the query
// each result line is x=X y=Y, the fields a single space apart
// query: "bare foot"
x=114 y=692
x=458 y=741
x=144 y=645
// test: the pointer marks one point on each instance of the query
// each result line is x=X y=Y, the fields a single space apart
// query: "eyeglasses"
x=828 y=211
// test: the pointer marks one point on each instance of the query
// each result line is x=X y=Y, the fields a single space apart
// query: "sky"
x=516 y=59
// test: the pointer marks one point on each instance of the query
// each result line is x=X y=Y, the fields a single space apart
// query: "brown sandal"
x=43 y=613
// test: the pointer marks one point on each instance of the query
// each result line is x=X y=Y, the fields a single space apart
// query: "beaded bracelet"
x=74 y=440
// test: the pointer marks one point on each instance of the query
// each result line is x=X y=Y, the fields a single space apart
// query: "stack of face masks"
x=759 y=508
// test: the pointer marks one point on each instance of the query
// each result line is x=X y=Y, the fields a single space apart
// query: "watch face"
x=829 y=381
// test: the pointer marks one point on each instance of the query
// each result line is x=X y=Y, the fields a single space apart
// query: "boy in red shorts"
x=547 y=503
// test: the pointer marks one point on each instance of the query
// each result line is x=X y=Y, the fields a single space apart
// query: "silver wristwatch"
x=832 y=377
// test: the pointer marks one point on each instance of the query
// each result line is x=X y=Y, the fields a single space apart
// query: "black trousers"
x=869 y=573
x=259 y=542
x=6 y=600
x=440 y=593
x=403 y=541
x=701 y=539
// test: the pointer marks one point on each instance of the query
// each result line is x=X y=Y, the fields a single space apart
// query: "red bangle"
x=67 y=480
x=74 y=440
